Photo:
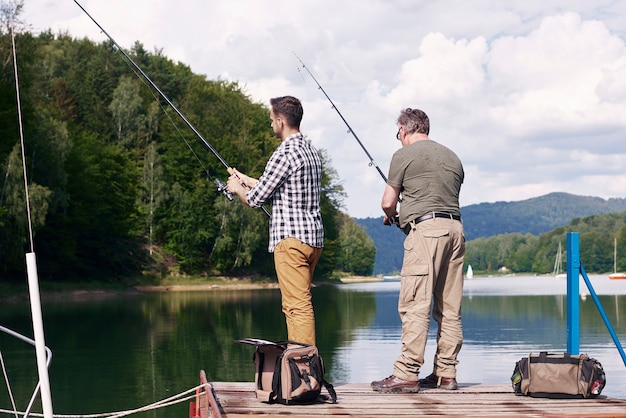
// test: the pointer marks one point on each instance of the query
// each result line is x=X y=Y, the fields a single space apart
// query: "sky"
x=530 y=95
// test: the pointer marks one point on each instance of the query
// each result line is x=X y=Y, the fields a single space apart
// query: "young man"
x=429 y=176
x=292 y=180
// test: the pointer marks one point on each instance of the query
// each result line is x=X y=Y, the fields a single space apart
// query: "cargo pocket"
x=436 y=233
x=414 y=268
x=414 y=263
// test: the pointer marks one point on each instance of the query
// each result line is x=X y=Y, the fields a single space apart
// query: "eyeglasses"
x=398 y=134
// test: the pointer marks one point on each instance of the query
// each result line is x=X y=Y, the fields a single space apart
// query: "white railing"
x=6 y=378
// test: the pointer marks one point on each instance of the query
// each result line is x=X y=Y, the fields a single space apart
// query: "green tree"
x=126 y=109
x=20 y=218
x=154 y=192
x=94 y=236
x=10 y=12
x=242 y=238
x=356 y=249
x=113 y=167
x=331 y=202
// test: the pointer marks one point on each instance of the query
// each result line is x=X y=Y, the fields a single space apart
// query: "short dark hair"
x=414 y=120
x=288 y=107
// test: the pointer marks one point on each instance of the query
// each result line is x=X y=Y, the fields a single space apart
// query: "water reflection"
x=504 y=319
x=127 y=351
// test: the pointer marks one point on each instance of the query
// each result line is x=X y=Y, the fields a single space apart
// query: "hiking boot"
x=448 y=383
x=394 y=384
x=432 y=381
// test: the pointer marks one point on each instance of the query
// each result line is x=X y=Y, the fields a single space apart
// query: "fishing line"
x=22 y=147
x=221 y=187
x=43 y=354
x=180 y=133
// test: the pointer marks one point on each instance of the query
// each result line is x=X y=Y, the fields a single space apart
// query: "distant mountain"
x=535 y=216
x=388 y=242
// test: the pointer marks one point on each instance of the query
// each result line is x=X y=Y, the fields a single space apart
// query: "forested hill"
x=534 y=216
x=531 y=216
x=120 y=189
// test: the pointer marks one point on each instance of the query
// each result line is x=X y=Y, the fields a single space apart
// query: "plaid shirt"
x=293 y=180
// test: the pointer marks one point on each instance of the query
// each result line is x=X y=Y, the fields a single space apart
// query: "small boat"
x=470 y=272
x=615 y=275
x=557 y=272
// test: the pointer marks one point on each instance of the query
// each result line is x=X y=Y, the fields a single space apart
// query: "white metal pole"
x=40 y=344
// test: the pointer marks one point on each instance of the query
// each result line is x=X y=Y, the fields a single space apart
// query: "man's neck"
x=288 y=132
x=415 y=137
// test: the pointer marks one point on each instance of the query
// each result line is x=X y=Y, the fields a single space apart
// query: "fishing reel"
x=221 y=187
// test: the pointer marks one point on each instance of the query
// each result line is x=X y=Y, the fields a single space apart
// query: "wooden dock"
x=237 y=399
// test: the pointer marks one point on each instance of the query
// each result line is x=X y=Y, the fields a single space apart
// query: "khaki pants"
x=295 y=263
x=432 y=277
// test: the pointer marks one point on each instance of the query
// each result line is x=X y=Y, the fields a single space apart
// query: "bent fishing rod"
x=221 y=186
x=372 y=162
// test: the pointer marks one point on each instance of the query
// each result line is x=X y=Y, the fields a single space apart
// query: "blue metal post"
x=573 y=300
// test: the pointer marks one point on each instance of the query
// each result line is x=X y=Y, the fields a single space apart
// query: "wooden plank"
x=237 y=400
x=206 y=404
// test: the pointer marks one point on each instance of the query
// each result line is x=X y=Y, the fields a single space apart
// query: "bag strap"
x=331 y=390
x=261 y=359
x=258 y=342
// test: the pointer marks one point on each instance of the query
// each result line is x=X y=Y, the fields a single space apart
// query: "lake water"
x=126 y=351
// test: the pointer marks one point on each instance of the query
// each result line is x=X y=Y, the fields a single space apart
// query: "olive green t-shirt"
x=429 y=176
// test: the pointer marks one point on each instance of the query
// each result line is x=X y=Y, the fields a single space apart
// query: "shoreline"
x=362 y=279
x=205 y=286
x=237 y=285
x=225 y=284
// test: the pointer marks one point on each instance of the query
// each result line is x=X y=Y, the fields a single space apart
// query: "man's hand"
x=247 y=181
x=234 y=184
x=391 y=221
x=237 y=185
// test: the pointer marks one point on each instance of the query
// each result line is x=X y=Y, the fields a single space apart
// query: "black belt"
x=432 y=215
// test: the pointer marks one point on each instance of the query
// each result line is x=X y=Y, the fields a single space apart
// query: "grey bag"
x=558 y=376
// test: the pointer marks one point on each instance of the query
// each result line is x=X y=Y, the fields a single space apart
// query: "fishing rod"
x=372 y=162
x=221 y=186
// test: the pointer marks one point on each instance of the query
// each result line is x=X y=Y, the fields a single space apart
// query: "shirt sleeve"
x=396 y=171
x=276 y=171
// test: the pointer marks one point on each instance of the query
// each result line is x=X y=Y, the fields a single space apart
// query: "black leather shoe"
x=394 y=384
x=429 y=381
x=432 y=381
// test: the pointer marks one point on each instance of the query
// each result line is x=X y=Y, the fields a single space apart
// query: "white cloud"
x=445 y=71
x=530 y=95
x=550 y=78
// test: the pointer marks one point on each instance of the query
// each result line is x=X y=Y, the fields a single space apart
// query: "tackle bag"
x=288 y=372
x=545 y=375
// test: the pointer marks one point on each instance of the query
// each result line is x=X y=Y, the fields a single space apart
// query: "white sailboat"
x=615 y=275
x=558 y=272
x=470 y=273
